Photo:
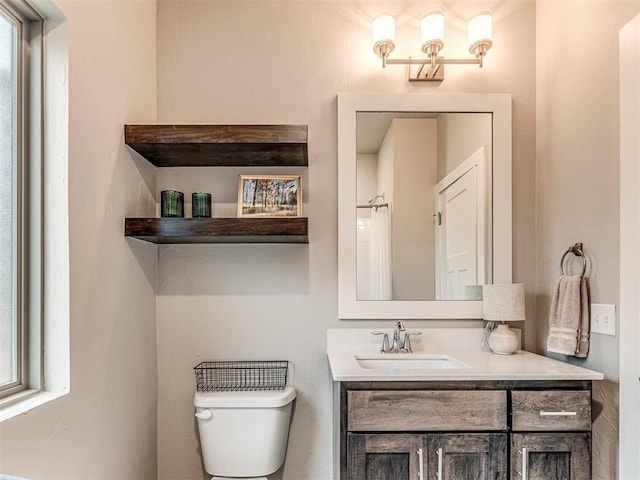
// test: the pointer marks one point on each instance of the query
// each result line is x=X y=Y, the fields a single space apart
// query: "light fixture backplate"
x=426 y=73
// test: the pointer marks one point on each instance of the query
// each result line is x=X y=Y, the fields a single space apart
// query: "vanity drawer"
x=417 y=410
x=551 y=410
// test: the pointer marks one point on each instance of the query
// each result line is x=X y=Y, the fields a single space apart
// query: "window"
x=34 y=250
x=34 y=328
x=12 y=259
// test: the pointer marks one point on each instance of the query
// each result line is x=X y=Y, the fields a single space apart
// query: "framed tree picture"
x=269 y=196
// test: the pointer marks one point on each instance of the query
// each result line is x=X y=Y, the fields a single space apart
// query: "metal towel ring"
x=577 y=251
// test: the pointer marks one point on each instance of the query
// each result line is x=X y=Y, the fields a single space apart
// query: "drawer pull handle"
x=525 y=467
x=439 y=454
x=558 y=414
x=420 y=464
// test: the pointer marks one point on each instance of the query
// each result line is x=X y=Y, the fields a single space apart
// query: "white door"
x=629 y=333
x=460 y=229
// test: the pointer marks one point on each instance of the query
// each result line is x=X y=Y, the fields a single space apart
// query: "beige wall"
x=459 y=136
x=577 y=178
x=106 y=427
x=367 y=168
x=385 y=177
x=284 y=62
x=414 y=177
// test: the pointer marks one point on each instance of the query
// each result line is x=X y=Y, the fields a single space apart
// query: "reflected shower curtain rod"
x=373 y=206
x=372 y=202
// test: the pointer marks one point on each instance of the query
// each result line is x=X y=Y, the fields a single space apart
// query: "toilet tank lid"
x=252 y=399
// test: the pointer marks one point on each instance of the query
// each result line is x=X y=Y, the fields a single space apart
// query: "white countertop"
x=463 y=344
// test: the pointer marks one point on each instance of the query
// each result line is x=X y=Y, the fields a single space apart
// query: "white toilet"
x=243 y=434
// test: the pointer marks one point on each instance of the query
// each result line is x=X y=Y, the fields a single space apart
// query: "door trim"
x=629 y=324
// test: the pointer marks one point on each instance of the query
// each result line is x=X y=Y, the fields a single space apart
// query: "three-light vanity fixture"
x=432 y=30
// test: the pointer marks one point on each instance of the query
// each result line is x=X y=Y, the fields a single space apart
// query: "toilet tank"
x=244 y=434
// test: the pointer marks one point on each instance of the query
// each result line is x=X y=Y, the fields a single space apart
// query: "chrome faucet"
x=397 y=346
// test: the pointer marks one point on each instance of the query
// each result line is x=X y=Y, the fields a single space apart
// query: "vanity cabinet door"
x=541 y=456
x=481 y=456
x=385 y=456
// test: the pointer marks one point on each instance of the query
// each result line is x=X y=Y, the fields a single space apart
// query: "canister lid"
x=252 y=399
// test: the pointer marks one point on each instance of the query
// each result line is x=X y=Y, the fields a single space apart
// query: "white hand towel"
x=569 y=317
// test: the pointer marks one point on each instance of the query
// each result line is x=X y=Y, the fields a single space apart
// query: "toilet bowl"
x=243 y=434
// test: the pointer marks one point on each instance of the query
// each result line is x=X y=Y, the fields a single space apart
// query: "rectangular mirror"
x=424 y=203
x=423 y=194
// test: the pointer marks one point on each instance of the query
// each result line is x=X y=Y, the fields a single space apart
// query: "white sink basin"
x=408 y=362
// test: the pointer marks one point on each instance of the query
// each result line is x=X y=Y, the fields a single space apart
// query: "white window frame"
x=46 y=362
x=27 y=321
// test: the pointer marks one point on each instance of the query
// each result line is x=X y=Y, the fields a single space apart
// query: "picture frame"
x=269 y=196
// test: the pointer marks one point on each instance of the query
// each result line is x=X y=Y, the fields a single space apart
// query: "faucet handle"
x=385 y=340
x=406 y=344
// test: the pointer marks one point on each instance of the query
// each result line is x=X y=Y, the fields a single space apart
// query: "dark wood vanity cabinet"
x=454 y=456
x=544 y=456
x=496 y=430
x=551 y=434
x=381 y=456
x=451 y=456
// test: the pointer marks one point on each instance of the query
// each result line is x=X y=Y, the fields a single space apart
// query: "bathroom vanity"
x=451 y=410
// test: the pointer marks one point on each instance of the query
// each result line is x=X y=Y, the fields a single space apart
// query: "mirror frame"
x=349 y=104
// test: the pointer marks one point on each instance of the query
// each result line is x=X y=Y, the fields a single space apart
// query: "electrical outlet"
x=603 y=319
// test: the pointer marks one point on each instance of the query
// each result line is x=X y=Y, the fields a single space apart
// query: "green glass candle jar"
x=171 y=203
x=200 y=205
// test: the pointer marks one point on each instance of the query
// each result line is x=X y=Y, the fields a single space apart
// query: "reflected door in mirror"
x=460 y=227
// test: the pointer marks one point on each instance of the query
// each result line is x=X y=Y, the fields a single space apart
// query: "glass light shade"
x=480 y=29
x=432 y=28
x=384 y=29
x=503 y=302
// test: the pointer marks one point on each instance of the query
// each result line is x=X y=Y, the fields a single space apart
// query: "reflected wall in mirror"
x=424 y=196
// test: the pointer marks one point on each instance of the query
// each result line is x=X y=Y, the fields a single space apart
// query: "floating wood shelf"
x=219 y=145
x=218 y=230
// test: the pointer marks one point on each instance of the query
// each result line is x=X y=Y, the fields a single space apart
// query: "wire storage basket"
x=241 y=375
